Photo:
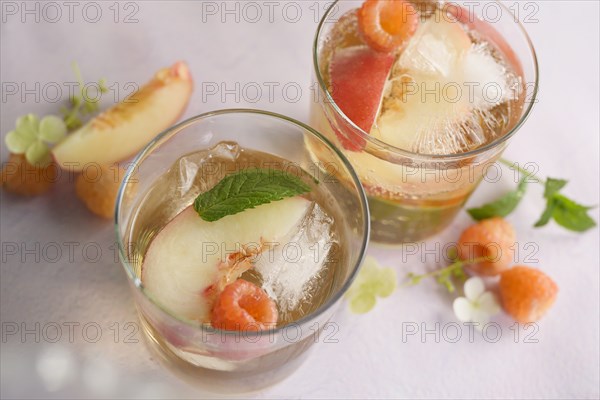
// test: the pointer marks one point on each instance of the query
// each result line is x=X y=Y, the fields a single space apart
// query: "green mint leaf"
x=247 y=189
x=553 y=186
x=502 y=206
x=571 y=215
x=547 y=214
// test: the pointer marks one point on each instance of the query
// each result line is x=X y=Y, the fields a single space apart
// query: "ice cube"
x=291 y=271
x=199 y=171
x=435 y=48
x=491 y=78
x=448 y=94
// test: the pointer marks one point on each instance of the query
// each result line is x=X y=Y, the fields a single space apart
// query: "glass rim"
x=147 y=150
x=407 y=153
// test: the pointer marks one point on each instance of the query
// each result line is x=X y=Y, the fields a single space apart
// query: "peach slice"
x=185 y=262
x=489 y=33
x=358 y=78
x=126 y=128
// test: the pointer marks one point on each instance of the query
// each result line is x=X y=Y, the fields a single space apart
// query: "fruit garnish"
x=127 y=127
x=243 y=306
x=477 y=305
x=247 y=189
x=80 y=104
x=566 y=212
x=236 y=263
x=527 y=293
x=358 y=77
x=492 y=239
x=98 y=189
x=372 y=281
x=189 y=259
x=20 y=177
x=419 y=114
x=486 y=32
x=387 y=24
x=32 y=136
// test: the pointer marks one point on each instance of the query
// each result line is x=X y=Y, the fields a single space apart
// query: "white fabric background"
x=370 y=359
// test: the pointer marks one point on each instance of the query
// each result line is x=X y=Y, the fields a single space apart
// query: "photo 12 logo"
x=70 y=11
x=453 y=332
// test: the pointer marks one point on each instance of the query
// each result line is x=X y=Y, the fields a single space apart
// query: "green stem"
x=455 y=265
x=78 y=76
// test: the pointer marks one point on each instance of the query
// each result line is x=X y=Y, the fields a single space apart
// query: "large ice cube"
x=291 y=271
x=435 y=48
x=444 y=92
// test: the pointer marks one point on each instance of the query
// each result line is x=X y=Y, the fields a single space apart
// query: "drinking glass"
x=231 y=360
x=413 y=196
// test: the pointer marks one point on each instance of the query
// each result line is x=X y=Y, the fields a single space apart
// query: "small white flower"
x=477 y=305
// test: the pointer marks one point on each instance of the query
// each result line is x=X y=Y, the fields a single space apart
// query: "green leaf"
x=571 y=215
x=52 y=129
x=247 y=189
x=502 y=206
x=553 y=186
x=18 y=143
x=547 y=214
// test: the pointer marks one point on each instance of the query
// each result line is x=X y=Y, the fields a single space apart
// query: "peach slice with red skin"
x=127 y=127
x=190 y=261
x=358 y=78
x=487 y=32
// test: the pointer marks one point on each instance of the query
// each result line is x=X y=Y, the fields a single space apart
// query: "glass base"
x=226 y=382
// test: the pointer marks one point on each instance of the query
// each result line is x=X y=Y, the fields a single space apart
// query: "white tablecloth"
x=372 y=358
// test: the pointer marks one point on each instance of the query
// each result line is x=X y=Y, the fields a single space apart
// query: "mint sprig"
x=247 y=189
x=566 y=212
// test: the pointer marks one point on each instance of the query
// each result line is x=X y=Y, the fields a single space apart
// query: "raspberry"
x=98 y=190
x=387 y=24
x=491 y=238
x=526 y=293
x=20 y=177
x=244 y=306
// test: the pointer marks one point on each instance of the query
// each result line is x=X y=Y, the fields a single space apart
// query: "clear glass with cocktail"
x=238 y=244
x=421 y=96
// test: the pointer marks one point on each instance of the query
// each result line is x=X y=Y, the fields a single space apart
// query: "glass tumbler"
x=233 y=361
x=413 y=196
